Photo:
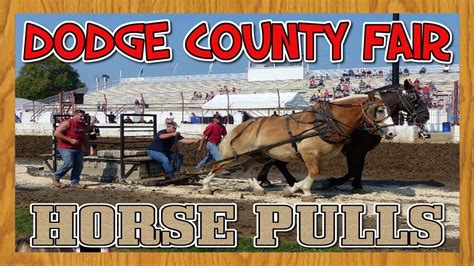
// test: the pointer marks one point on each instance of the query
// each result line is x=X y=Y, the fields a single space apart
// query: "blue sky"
x=182 y=23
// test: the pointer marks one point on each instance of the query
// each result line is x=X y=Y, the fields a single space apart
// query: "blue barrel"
x=446 y=127
x=196 y=120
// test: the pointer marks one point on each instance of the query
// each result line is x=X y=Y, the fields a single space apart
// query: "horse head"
x=377 y=118
x=412 y=104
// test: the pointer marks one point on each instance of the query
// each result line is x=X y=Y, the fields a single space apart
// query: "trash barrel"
x=446 y=127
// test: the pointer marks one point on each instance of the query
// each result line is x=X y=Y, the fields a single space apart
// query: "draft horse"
x=396 y=99
x=313 y=135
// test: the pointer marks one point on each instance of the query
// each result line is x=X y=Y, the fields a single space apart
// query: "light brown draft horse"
x=260 y=134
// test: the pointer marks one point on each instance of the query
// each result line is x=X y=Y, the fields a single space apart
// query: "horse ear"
x=406 y=84
x=371 y=96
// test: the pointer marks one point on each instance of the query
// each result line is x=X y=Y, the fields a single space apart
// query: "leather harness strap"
x=292 y=137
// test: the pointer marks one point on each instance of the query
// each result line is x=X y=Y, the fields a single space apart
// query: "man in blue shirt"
x=160 y=148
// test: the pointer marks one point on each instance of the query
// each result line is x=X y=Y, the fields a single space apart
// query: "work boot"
x=56 y=182
x=78 y=186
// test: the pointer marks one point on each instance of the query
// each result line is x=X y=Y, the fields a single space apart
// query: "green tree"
x=46 y=78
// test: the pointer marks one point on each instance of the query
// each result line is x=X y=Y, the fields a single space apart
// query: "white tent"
x=25 y=104
x=259 y=101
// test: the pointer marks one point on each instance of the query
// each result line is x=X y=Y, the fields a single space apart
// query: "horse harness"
x=324 y=124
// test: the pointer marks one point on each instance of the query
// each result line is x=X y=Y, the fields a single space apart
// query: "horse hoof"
x=358 y=191
x=266 y=184
x=259 y=192
x=287 y=192
x=326 y=184
x=307 y=198
x=205 y=191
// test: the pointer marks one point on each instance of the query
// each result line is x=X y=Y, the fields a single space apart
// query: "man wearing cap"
x=160 y=148
x=213 y=135
x=71 y=135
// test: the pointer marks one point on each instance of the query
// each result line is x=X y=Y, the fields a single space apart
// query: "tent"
x=258 y=101
x=25 y=104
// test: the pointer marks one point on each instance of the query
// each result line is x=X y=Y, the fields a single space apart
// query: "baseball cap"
x=174 y=124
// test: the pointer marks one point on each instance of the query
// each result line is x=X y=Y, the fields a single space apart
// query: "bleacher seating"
x=159 y=93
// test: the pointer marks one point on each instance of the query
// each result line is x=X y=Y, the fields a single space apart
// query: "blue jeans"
x=212 y=153
x=165 y=158
x=72 y=159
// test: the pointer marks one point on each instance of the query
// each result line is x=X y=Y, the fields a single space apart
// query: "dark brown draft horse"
x=314 y=135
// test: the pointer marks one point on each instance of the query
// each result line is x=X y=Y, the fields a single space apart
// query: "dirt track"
x=404 y=173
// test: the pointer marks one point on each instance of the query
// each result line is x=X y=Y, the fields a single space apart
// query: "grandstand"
x=175 y=93
x=168 y=90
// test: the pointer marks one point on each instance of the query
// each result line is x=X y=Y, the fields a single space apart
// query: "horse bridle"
x=372 y=125
x=405 y=99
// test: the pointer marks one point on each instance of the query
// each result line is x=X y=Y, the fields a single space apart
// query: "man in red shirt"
x=71 y=135
x=213 y=135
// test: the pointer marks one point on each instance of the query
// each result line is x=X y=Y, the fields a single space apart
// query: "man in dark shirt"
x=160 y=148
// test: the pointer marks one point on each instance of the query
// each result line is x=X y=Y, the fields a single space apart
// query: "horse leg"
x=288 y=176
x=357 y=174
x=312 y=163
x=262 y=177
x=206 y=182
x=256 y=188
x=351 y=158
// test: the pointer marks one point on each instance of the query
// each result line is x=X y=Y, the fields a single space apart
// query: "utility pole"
x=396 y=66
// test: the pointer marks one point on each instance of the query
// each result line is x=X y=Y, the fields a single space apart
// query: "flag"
x=210 y=68
x=141 y=72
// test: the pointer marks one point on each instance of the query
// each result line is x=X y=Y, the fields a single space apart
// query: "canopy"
x=288 y=100
x=25 y=104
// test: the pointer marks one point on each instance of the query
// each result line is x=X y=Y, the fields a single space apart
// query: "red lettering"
x=371 y=40
x=191 y=43
x=33 y=33
x=309 y=30
x=398 y=44
x=254 y=53
x=152 y=41
x=288 y=39
x=235 y=47
x=436 y=47
x=336 y=39
x=135 y=48
x=416 y=33
x=94 y=32
x=68 y=29
x=429 y=42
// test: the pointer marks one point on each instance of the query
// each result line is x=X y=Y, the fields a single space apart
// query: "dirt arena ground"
x=394 y=173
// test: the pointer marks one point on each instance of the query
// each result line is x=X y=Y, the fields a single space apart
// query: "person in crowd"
x=72 y=137
x=127 y=120
x=137 y=102
x=212 y=136
x=326 y=94
x=169 y=119
x=112 y=118
x=160 y=149
x=94 y=132
x=446 y=69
